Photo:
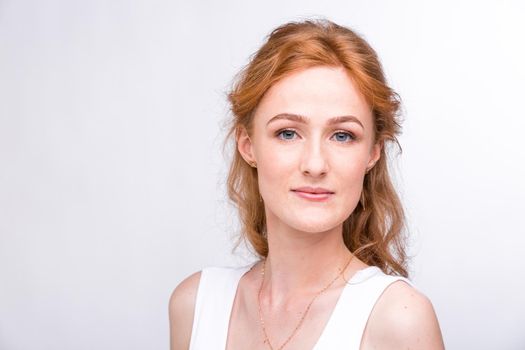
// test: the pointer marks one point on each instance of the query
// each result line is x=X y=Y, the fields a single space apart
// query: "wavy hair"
x=374 y=230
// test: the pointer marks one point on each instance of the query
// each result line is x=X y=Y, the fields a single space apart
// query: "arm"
x=403 y=318
x=181 y=309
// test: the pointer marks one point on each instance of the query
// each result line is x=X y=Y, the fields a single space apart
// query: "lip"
x=316 y=194
x=315 y=190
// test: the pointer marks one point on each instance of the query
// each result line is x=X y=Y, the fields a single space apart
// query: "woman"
x=312 y=119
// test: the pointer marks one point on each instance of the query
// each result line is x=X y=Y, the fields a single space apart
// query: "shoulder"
x=403 y=317
x=181 y=308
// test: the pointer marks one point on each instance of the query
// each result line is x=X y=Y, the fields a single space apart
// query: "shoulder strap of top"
x=348 y=321
x=214 y=301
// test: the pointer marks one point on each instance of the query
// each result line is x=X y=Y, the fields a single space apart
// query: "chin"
x=313 y=224
x=311 y=220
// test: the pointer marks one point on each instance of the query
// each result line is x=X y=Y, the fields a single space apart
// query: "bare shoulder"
x=181 y=309
x=403 y=318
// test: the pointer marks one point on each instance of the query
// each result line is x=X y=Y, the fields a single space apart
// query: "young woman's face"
x=312 y=132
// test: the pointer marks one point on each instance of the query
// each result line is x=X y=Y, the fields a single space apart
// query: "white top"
x=344 y=330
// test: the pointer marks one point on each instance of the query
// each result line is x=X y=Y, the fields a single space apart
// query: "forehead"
x=320 y=93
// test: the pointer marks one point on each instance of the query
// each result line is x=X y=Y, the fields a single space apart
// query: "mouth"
x=314 y=194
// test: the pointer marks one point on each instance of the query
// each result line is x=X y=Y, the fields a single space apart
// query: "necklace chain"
x=266 y=338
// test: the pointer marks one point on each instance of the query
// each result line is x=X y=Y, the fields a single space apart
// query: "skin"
x=305 y=237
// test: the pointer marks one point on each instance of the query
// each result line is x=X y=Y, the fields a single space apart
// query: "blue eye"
x=343 y=136
x=287 y=134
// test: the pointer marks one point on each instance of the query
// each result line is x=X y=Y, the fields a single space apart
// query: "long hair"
x=374 y=230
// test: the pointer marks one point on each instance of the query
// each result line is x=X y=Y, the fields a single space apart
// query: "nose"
x=314 y=162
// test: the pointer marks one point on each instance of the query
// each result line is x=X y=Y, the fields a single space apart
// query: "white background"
x=112 y=177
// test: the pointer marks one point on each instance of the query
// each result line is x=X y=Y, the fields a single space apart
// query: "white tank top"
x=344 y=330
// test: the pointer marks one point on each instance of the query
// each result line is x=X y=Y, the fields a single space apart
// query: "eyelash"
x=350 y=138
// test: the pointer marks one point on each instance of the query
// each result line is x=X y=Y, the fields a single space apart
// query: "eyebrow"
x=305 y=120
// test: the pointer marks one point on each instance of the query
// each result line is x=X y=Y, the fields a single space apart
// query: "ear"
x=375 y=153
x=245 y=146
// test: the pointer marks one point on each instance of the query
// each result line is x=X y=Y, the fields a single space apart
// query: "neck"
x=302 y=263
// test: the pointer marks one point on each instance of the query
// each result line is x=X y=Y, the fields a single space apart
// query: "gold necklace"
x=266 y=339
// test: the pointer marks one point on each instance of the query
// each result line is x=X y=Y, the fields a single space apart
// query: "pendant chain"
x=266 y=338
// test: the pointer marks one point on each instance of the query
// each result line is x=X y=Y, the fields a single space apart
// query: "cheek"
x=350 y=173
x=351 y=163
x=273 y=170
x=352 y=180
x=274 y=157
x=276 y=167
